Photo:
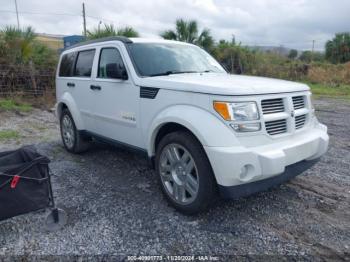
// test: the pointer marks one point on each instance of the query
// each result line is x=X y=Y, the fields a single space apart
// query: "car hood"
x=222 y=84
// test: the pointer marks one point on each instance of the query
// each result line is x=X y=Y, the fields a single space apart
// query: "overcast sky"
x=293 y=23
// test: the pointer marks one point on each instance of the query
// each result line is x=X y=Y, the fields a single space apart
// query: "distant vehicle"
x=204 y=130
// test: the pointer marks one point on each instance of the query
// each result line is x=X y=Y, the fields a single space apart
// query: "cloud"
x=262 y=22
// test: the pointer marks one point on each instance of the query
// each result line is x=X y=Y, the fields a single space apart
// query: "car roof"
x=156 y=40
x=124 y=40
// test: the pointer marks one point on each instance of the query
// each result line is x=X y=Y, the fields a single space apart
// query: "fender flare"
x=208 y=128
x=68 y=100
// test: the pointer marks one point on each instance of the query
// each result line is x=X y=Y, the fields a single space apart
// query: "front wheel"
x=184 y=173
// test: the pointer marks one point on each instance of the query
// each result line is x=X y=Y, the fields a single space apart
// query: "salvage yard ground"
x=115 y=206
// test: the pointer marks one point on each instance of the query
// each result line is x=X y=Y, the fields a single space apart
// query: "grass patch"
x=11 y=105
x=341 y=91
x=8 y=134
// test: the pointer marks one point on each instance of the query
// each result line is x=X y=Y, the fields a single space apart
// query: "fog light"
x=246 y=127
x=244 y=172
x=247 y=172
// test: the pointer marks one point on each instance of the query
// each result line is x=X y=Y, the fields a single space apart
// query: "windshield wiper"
x=173 y=73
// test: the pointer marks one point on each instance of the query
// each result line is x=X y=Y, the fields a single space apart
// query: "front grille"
x=300 y=121
x=276 y=127
x=298 y=102
x=271 y=106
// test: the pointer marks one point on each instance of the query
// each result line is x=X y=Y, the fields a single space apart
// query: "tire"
x=72 y=140
x=176 y=173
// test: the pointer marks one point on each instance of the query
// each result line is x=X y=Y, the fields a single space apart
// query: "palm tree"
x=17 y=44
x=338 y=49
x=111 y=30
x=127 y=32
x=187 y=31
x=19 y=47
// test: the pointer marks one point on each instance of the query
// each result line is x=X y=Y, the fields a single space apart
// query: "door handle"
x=70 y=84
x=93 y=87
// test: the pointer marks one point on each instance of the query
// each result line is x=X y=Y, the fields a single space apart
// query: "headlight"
x=237 y=111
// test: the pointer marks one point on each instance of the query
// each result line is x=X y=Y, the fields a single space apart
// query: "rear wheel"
x=72 y=140
x=184 y=172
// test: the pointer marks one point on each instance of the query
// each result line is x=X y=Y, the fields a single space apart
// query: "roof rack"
x=123 y=39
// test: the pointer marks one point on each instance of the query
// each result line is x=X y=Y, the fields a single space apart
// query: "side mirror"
x=116 y=71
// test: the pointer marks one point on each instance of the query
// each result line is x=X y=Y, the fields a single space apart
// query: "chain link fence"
x=29 y=81
x=26 y=80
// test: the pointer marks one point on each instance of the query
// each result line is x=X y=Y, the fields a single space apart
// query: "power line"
x=58 y=14
x=100 y=19
x=111 y=21
x=38 y=13
x=61 y=14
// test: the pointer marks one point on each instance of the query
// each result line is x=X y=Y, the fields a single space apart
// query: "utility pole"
x=99 y=23
x=84 y=20
x=313 y=46
x=17 y=14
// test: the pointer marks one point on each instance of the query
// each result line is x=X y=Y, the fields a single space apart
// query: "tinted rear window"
x=83 y=65
x=67 y=63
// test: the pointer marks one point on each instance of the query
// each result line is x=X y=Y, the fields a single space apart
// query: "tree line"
x=337 y=50
x=20 y=46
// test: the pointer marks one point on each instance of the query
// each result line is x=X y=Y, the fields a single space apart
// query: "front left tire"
x=184 y=173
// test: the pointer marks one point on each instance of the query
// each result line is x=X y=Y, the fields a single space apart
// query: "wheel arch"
x=60 y=107
x=203 y=125
x=168 y=128
x=68 y=102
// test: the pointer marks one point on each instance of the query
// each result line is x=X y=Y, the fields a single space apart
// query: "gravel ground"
x=115 y=206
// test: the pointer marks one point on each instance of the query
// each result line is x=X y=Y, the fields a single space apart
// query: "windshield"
x=154 y=59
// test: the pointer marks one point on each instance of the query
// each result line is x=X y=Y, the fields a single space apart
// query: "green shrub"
x=11 y=105
x=8 y=134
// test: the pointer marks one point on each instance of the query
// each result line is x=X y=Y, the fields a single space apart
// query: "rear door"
x=64 y=75
x=79 y=85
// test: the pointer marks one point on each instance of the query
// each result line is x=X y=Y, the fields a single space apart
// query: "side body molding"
x=68 y=100
x=208 y=129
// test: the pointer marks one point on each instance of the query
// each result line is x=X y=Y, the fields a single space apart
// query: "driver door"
x=116 y=99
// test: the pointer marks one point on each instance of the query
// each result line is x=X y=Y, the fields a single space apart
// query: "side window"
x=84 y=62
x=111 y=64
x=67 y=63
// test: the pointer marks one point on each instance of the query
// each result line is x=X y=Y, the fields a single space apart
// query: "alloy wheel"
x=68 y=131
x=179 y=174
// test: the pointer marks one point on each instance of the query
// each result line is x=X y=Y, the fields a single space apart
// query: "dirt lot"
x=115 y=206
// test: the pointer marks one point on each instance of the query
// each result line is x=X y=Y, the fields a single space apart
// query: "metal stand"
x=58 y=217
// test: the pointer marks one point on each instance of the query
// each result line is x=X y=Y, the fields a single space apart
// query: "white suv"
x=204 y=130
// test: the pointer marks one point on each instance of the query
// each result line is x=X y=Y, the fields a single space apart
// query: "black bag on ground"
x=24 y=182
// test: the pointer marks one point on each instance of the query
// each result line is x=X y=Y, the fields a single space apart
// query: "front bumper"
x=235 y=166
x=234 y=192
